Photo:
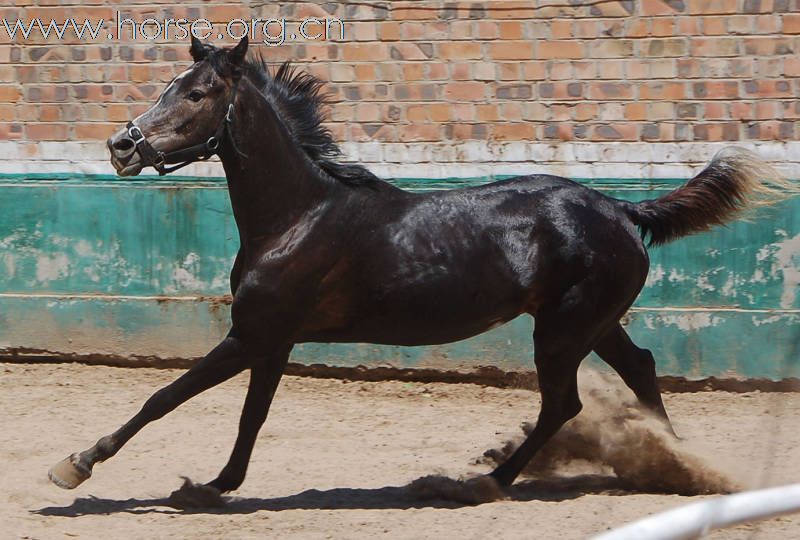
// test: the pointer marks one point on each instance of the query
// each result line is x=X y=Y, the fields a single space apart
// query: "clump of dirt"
x=615 y=434
x=191 y=495
x=478 y=490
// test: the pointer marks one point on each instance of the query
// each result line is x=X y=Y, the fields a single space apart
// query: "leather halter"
x=185 y=156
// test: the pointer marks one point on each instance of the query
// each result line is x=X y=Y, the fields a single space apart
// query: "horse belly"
x=434 y=313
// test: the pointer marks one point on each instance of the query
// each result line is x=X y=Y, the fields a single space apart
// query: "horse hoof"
x=67 y=475
x=193 y=496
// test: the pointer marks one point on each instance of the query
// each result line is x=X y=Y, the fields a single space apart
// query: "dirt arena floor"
x=335 y=458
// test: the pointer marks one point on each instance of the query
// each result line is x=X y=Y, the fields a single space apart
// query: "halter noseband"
x=185 y=156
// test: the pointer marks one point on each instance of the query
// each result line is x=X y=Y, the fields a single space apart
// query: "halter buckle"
x=135 y=134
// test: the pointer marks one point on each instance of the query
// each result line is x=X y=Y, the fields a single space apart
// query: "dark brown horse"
x=331 y=253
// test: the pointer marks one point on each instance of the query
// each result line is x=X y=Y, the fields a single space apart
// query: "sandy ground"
x=334 y=457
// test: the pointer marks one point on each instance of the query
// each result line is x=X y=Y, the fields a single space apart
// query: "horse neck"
x=273 y=184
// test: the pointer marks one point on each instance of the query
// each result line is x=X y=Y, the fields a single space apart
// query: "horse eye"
x=196 y=95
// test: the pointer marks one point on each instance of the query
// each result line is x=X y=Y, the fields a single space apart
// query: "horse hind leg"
x=562 y=338
x=635 y=366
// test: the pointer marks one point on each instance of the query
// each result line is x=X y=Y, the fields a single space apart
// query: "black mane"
x=299 y=101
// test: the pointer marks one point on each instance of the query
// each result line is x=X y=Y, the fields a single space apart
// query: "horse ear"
x=237 y=54
x=198 y=50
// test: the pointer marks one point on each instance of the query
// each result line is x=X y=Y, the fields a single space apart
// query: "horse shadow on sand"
x=384 y=498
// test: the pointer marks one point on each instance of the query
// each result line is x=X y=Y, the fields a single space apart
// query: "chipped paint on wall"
x=787 y=262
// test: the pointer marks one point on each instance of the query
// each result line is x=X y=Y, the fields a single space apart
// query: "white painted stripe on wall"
x=443 y=160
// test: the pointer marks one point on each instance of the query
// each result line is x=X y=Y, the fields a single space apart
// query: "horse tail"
x=735 y=180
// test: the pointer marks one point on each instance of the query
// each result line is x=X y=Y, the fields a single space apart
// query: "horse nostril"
x=123 y=144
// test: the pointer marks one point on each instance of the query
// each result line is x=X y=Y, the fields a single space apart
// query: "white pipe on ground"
x=694 y=520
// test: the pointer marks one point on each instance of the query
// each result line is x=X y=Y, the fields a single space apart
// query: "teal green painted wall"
x=100 y=265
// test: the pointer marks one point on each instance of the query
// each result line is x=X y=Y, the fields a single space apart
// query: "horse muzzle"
x=124 y=158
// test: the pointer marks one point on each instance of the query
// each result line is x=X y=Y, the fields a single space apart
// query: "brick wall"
x=646 y=87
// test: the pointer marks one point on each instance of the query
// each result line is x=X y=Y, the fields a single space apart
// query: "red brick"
x=362 y=31
x=510 y=30
x=768 y=45
x=417 y=113
x=716 y=90
x=368 y=112
x=767 y=110
x=741 y=110
x=585 y=29
x=561 y=29
x=559 y=49
x=658 y=7
x=487 y=112
x=465 y=91
x=533 y=71
x=461 y=71
x=688 y=26
x=389 y=31
x=792 y=67
x=610 y=48
x=715 y=46
x=508 y=71
x=511 y=9
x=727 y=131
x=513 y=50
x=487 y=30
x=636 y=111
x=610 y=91
x=374 y=52
x=611 y=69
x=46 y=132
x=414 y=72
x=768 y=88
x=9 y=94
x=437 y=72
x=9 y=131
x=460 y=30
x=561 y=70
x=713 y=6
x=615 y=132
x=439 y=112
x=419 y=132
x=663 y=26
x=791 y=23
x=459 y=50
x=367 y=72
x=715 y=110
x=98 y=132
x=514 y=132
x=585 y=111
x=715 y=26
x=403 y=11
x=609 y=9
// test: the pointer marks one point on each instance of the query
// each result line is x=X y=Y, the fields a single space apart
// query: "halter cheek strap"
x=185 y=156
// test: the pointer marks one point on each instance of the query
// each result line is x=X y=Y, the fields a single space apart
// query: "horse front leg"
x=223 y=362
x=264 y=378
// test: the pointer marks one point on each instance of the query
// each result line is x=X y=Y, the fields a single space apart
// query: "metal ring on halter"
x=135 y=134
x=212 y=143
